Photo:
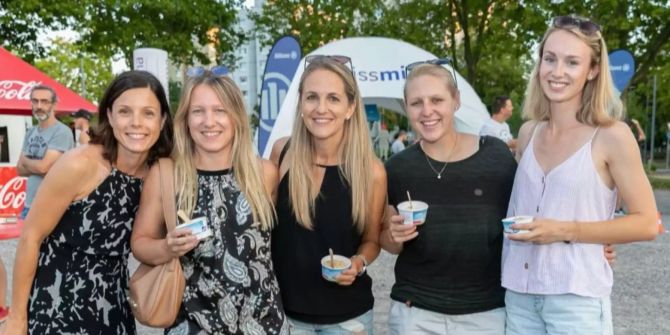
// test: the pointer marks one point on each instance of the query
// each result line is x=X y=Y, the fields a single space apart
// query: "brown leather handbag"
x=156 y=292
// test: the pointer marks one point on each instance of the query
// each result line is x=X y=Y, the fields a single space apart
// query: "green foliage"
x=110 y=27
x=65 y=62
x=658 y=183
x=492 y=42
x=174 y=88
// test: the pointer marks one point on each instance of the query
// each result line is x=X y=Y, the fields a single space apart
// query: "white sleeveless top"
x=571 y=191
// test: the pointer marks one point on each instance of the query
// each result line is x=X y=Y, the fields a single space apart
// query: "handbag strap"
x=166 y=170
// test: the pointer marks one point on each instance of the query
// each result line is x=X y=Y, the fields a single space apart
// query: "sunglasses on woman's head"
x=586 y=26
x=438 y=62
x=344 y=60
x=199 y=71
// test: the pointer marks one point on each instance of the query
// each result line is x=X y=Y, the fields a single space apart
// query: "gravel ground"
x=641 y=282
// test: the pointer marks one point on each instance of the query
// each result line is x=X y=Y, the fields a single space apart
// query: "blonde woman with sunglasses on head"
x=331 y=196
x=230 y=285
x=575 y=158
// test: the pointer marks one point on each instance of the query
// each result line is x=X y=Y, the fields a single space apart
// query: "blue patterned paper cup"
x=416 y=215
x=330 y=271
x=508 y=222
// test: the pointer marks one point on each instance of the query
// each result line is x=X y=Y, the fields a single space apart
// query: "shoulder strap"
x=529 y=142
x=283 y=151
x=166 y=170
x=595 y=132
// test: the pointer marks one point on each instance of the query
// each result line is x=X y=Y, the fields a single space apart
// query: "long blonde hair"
x=600 y=105
x=245 y=164
x=356 y=155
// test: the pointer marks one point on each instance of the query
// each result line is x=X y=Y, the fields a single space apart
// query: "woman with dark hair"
x=70 y=273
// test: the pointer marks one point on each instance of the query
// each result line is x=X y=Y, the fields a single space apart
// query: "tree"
x=110 y=27
x=66 y=63
x=314 y=23
x=22 y=21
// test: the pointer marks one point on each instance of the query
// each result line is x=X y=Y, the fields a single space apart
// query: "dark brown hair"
x=104 y=134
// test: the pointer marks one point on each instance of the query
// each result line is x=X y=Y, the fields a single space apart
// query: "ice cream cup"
x=198 y=227
x=416 y=214
x=508 y=222
x=330 y=271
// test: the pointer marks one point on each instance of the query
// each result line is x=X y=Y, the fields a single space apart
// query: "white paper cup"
x=416 y=215
x=330 y=271
x=508 y=222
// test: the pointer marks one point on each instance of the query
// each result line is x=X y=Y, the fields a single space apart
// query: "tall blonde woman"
x=575 y=158
x=230 y=284
x=331 y=196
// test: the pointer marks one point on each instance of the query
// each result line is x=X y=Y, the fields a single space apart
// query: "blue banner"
x=372 y=113
x=622 y=68
x=280 y=68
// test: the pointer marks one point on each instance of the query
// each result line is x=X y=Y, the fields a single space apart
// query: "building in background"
x=251 y=58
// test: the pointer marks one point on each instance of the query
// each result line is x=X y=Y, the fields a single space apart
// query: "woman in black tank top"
x=331 y=196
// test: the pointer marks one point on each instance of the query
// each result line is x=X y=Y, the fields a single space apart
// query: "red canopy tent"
x=18 y=77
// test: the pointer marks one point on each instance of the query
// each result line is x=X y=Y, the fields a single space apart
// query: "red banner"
x=12 y=191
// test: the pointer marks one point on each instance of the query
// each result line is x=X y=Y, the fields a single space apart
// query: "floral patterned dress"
x=81 y=281
x=230 y=284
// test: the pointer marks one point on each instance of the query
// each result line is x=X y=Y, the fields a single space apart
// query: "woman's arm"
x=65 y=182
x=369 y=248
x=148 y=242
x=621 y=159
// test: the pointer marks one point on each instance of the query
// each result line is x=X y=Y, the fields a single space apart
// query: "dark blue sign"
x=372 y=113
x=622 y=68
x=280 y=68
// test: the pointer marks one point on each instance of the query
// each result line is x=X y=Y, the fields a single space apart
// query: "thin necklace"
x=439 y=173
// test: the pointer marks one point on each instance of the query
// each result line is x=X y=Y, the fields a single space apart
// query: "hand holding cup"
x=399 y=232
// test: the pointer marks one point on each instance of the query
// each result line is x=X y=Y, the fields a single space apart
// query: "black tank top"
x=297 y=253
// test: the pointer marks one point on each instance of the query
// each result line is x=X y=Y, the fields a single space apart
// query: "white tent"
x=379 y=65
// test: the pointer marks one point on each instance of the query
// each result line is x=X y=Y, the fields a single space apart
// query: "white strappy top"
x=573 y=190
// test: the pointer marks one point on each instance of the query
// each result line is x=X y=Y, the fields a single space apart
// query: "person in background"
x=640 y=137
x=82 y=119
x=576 y=157
x=399 y=143
x=383 y=141
x=231 y=287
x=43 y=144
x=496 y=125
x=71 y=266
x=331 y=195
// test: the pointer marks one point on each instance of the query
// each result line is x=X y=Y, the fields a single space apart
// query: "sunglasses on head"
x=438 y=62
x=586 y=26
x=199 y=71
x=344 y=60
